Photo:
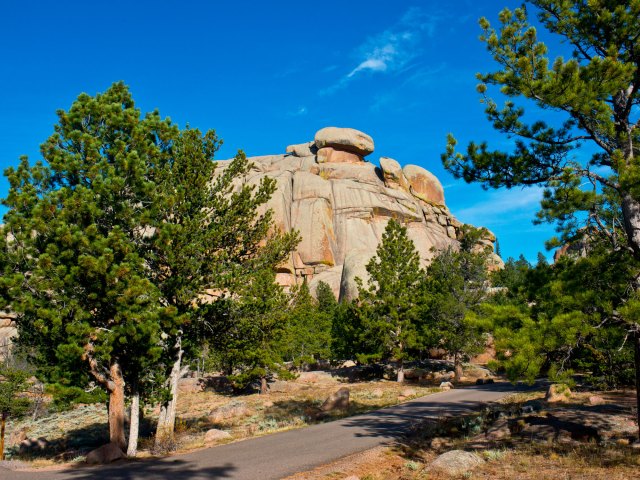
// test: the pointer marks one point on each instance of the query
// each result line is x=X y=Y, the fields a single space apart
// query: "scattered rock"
x=32 y=445
x=408 y=392
x=348 y=364
x=558 y=392
x=446 y=385
x=596 y=400
x=347 y=139
x=105 y=454
x=232 y=410
x=456 y=462
x=213 y=435
x=336 y=401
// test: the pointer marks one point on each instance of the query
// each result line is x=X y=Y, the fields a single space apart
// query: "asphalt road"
x=282 y=454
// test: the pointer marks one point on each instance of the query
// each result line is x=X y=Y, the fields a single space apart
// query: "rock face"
x=7 y=332
x=340 y=204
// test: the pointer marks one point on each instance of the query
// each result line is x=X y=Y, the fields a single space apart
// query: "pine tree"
x=456 y=285
x=72 y=264
x=595 y=94
x=308 y=334
x=209 y=235
x=391 y=299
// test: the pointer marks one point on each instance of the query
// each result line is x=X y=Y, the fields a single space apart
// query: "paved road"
x=283 y=454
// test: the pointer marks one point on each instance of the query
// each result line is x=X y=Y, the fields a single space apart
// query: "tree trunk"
x=263 y=385
x=636 y=351
x=3 y=422
x=134 y=423
x=400 y=377
x=167 y=419
x=116 y=407
x=631 y=216
x=457 y=369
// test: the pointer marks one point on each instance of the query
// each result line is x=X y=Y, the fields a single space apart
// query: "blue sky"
x=268 y=74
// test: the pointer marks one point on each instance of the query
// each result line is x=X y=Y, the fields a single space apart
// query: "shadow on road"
x=169 y=469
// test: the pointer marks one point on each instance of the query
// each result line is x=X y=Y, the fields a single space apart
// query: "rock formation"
x=7 y=332
x=340 y=204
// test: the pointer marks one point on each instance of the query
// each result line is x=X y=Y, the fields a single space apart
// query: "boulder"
x=105 y=454
x=596 y=400
x=557 y=392
x=392 y=173
x=226 y=412
x=302 y=149
x=213 y=435
x=456 y=462
x=446 y=385
x=341 y=205
x=347 y=139
x=424 y=184
x=408 y=392
x=331 y=155
x=336 y=401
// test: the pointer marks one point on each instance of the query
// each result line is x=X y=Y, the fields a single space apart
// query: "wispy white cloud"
x=502 y=206
x=301 y=110
x=391 y=50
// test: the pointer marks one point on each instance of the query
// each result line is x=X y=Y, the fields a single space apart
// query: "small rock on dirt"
x=408 y=392
x=456 y=462
x=105 y=454
x=558 y=393
x=336 y=401
x=596 y=400
x=446 y=385
x=213 y=435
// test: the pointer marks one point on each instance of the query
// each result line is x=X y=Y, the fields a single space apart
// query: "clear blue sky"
x=266 y=74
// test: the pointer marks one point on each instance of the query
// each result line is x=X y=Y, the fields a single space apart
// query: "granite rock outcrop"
x=340 y=203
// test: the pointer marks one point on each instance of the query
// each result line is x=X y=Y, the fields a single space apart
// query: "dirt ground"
x=546 y=442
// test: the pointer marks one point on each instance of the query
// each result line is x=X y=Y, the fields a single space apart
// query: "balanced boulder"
x=347 y=139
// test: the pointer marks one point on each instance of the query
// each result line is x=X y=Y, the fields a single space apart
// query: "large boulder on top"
x=347 y=139
x=424 y=184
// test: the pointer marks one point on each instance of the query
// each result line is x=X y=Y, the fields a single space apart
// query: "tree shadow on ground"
x=167 y=468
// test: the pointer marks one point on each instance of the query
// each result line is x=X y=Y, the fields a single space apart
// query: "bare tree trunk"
x=636 y=351
x=457 y=368
x=400 y=378
x=167 y=419
x=134 y=423
x=631 y=216
x=263 y=385
x=3 y=422
x=116 y=407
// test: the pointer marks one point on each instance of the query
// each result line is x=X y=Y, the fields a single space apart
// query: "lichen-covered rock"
x=456 y=462
x=347 y=139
